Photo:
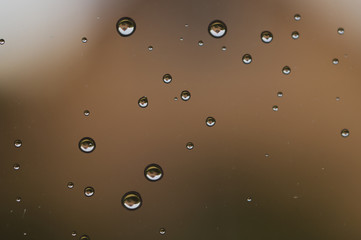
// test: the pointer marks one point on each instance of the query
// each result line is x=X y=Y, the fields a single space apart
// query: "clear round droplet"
x=345 y=133
x=73 y=234
x=86 y=112
x=18 y=199
x=247 y=59
x=280 y=94
x=295 y=35
x=175 y=98
x=224 y=48
x=297 y=17
x=200 y=43
x=340 y=31
x=189 y=145
x=70 y=185
x=167 y=78
x=162 y=231
x=266 y=155
x=2 y=41
x=266 y=36
x=16 y=166
x=84 y=39
x=143 y=102
x=185 y=95
x=150 y=48
x=18 y=143
x=125 y=27
x=87 y=145
x=89 y=191
x=153 y=172
x=186 y=25
x=217 y=29
x=337 y=98
x=85 y=237
x=286 y=70
x=249 y=199
x=335 y=61
x=275 y=108
x=181 y=39
x=132 y=200
x=210 y=121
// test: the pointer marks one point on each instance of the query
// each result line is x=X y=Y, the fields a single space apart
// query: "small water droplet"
x=18 y=143
x=70 y=185
x=132 y=200
x=266 y=36
x=86 y=112
x=189 y=145
x=85 y=237
x=186 y=25
x=266 y=155
x=340 y=31
x=297 y=17
x=275 y=108
x=84 y=39
x=18 y=199
x=167 y=78
x=280 y=94
x=175 y=98
x=150 y=48
x=2 y=41
x=210 y=121
x=200 y=43
x=185 y=95
x=181 y=39
x=345 y=133
x=25 y=234
x=87 y=145
x=337 y=99
x=249 y=199
x=224 y=48
x=153 y=172
x=162 y=231
x=73 y=233
x=16 y=166
x=335 y=61
x=286 y=70
x=89 y=191
x=143 y=102
x=125 y=26
x=247 y=59
x=295 y=35
x=217 y=29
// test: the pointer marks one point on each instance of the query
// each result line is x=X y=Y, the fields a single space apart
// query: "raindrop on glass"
x=162 y=231
x=200 y=43
x=70 y=185
x=335 y=61
x=150 y=48
x=297 y=17
x=18 y=143
x=266 y=36
x=143 y=102
x=132 y=200
x=247 y=59
x=87 y=145
x=18 y=199
x=125 y=26
x=217 y=29
x=73 y=234
x=340 y=31
x=210 y=121
x=181 y=39
x=84 y=237
x=249 y=199
x=185 y=95
x=266 y=155
x=345 y=133
x=337 y=98
x=2 y=41
x=175 y=98
x=153 y=172
x=89 y=191
x=275 y=108
x=16 y=166
x=189 y=145
x=186 y=25
x=167 y=78
x=86 y=112
x=280 y=94
x=286 y=70
x=295 y=35
x=84 y=39
x=224 y=48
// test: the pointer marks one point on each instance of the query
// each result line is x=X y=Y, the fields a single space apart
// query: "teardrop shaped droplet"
x=167 y=78
x=143 y=102
x=266 y=36
x=286 y=70
x=247 y=58
x=153 y=172
x=217 y=29
x=132 y=200
x=210 y=121
x=18 y=143
x=125 y=26
x=345 y=133
x=185 y=95
x=189 y=145
x=295 y=35
x=87 y=145
x=89 y=191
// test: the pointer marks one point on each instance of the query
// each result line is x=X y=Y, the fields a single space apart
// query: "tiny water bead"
x=337 y=98
x=150 y=48
x=143 y=102
x=162 y=231
x=247 y=59
x=87 y=145
x=266 y=36
x=73 y=234
x=297 y=17
x=153 y=172
x=89 y=191
x=2 y=41
x=286 y=70
x=280 y=94
x=167 y=78
x=210 y=121
x=84 y=39
x=175 y=98
x=85 y=237
x=132 y=200
x=185 y=95
x=335 y=61
x=217 y=29
x=125 y=26
x=345 y=133
x=295 y=35
x=224 y=48
x=340 y=31
x=86 y=112
x=189 y=145
x=275 y=108
x=18 y=199
x=200 y=43
x=249 y=199
x=266 y=155
x=181 y=39
x=70 y=185
x=16 y=166
x=18 y=143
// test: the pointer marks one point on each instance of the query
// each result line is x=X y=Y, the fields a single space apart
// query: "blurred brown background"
x=308 y=187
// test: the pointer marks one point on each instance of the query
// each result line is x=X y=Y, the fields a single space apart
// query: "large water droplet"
x=217 y=29
x=2 y=41
x=266 y=36
x=84 y=237
x=286 y=70
x=167 y=78
x=335 y=61
x=89 y=191
x=132 y=200
x=87 y=145
x=189 y=145
x=18 y=143
x=247 y=59
x=200 y=43
x=153 y=172
x=185 y=95
x=70 y=185
x=275 y=108
x=340 y=31
x=210 y=121
x=16 y=166
x=345 y=133
x=143 y=102
x=125 y=26
x=84 y=39
x=295 y=35
x=162 y=231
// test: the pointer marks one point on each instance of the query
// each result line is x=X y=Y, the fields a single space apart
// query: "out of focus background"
x=281 y=161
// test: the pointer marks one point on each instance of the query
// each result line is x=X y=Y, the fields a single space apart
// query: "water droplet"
x=70 y=185
x=217 y=29
x=73 y=234
x=86 y=112
x=345 y=133
x=247 y=59
x=340 y=31
x=210 y=121
x=132 y=200
x=18 y=143
x=337 y=98
x=175 y=98
x=249 y=199
x=25 y=234
x=153 y=172
x=16 y=166
x=266 y=36
x=335 y=61
x=84 y=39
x=286 y=70
x=2 y=41
x=181 y=39
x=167 y=78
x=89 y=191
x=200 y=43
x=275 y=108
x=162 y=231
x=84 y=237
x=185 y=95
x=87 y=145
x=18 y=199
x=186 y=25
x=297 y=17
x=280 y=94
x=150 y=48
x=143 y=102
x=189 y=145
x=295 y=35
x=224 y=48
x=125 y=26
x=266 y=155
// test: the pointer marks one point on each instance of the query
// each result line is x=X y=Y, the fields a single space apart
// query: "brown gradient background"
x=307 y=189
